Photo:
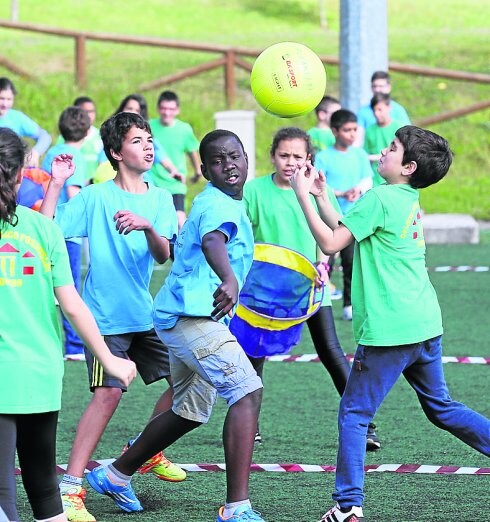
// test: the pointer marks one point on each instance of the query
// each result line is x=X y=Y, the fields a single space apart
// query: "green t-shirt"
x=393 y=300
x=376 y=139
x=33 y=261
x=177 y=141
x=277 y=218
x=321 y=139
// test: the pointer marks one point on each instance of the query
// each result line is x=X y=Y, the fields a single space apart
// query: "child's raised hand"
x=319 y=185
x=126 y=222
x=225 y=298
x=303 y=179
x=62 y=167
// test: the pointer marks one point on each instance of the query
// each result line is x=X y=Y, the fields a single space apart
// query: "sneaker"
x=123 y=496
x=242 y=514
x=348 y=313
x=163 y=469
x=336 y=294
x=75 y=357
x=258 y=439
x=337 y=515
x=372 y=440
x=73 y=505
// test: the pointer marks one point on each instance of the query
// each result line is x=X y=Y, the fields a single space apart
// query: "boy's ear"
x=116 y=155
x=204 y=171
x=409 y=168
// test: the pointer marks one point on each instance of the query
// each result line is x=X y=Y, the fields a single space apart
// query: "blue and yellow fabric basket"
x=278 y=296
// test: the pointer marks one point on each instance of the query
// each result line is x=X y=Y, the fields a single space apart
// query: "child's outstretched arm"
x=159 y=246
x=216 y=254
x=331 y=237
x=61 y=169
x=84 y=323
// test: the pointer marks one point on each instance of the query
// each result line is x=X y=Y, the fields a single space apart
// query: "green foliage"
x=438 y=34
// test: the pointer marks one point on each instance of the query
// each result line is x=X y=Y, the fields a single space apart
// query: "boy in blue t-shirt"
x=73 y=125
x=397 y=319
x=349 y=174
x=213 y=254
x=129 y=224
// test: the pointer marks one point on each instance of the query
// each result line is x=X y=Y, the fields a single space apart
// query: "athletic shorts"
x=206 y=360
x=144 y=348
x=179 y=201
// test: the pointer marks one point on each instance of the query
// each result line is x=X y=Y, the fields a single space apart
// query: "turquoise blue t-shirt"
x=116 y=288
x=365 y=115
x=78 y=178
x=344 y=170
x=23 y=126
x=188 y=289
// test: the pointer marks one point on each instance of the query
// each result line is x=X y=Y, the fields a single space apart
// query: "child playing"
x=128 y=224
x=380 y=134
x=397 y=318
x=178 y=139
x=213 y=254
x=321 y=135
x=349 y=175
x=21 y=124
x=277 y=218
x=73 y=125
x=33 y=270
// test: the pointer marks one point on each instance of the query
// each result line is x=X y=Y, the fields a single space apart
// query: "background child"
x=380 y=83
x=21 y=124
x=178 y=140
x=277 y=218
x=31 y=366
x=73 y=125
x=128 y=224
x=397 y=318
x=213 y=255
x=380 y=134
x=321 y=134
x=349 y=174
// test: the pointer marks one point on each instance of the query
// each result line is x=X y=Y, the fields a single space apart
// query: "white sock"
x=116 y=477
x=69 y=481
x=231 y=507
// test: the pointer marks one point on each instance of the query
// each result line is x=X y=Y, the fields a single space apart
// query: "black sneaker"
x=258 y=439
x=372 y=440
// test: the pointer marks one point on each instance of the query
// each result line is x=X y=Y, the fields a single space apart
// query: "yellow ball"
x=288 y=79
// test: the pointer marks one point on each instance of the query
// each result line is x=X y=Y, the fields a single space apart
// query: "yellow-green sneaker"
x=163 y=469
x=73 y=505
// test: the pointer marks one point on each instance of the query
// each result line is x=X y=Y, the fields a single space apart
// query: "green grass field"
x=299 y=425
x=442 y=33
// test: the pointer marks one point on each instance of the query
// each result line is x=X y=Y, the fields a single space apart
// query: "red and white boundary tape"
x=313 y=357
x=310 y=468
x=462 y=268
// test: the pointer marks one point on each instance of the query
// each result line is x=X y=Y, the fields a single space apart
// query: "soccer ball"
x=288 y=79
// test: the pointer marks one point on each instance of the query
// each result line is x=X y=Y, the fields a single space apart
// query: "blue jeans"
x=374 y=372
x=73 y=343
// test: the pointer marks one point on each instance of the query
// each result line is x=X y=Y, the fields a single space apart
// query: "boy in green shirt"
x=321 y=134
x=397 y=319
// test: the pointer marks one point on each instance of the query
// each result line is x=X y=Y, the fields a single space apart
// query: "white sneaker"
x=348 y=313
x=75 y=357
x=336 y=515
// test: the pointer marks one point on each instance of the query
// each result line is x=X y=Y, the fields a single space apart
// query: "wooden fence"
x=230 y=57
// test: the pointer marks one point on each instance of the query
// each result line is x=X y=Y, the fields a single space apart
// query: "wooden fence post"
x=230 y=78
x=80 y=63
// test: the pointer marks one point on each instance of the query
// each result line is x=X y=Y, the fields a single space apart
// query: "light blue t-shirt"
x=189 y=288
x=116 y=288
x=78 y=178
x=344 y=170
x=365 y=115
x=23 y=126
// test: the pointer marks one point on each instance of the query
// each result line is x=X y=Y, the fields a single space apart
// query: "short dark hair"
x=114 y=130
x=81 y=100
x=380 y=75
x=341 y=117
x=7 y=85
x=380 y=97
x=291 y=133
x=73 y=124
x=325 y=102
x=138 y=98
x=211 y=137
x=168 y=96
x=12 y=157
x=430 y=151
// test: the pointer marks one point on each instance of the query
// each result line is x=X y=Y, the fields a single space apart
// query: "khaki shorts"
x=205 y=361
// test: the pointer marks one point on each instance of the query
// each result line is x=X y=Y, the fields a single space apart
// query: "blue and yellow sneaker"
x=123 y=495
x=241 y=514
